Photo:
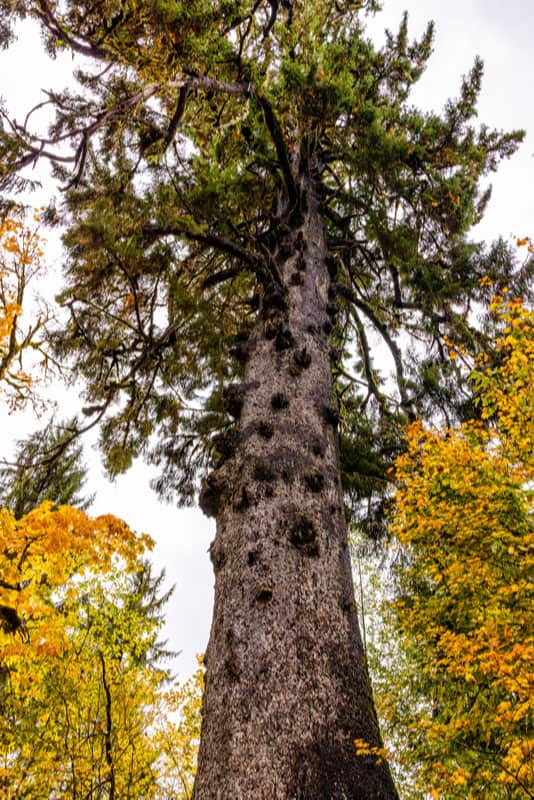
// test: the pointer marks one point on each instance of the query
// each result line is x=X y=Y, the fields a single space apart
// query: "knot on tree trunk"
x=302 y=534
x=265 y=429
x=302 y=358
x=217 y=555
x=233 y=397
x=283 y=339
x=225 y=444
x=331 y=415
x=279 y=401
x=263 y=470
x=242 y=500
x=314 y=480
x=211 y=492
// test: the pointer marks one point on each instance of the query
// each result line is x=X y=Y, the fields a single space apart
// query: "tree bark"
x=108 y=730
x=287 y=689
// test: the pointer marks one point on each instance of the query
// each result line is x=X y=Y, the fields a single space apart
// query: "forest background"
x=513 y=228
x=500 y=34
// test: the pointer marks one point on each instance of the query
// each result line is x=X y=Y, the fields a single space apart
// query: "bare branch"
x=367 y=362
x=406 y=403
x=177 y=116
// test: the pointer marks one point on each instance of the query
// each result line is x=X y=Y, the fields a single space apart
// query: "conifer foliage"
x=180 y=152
x=47 y=465
x=251 y=202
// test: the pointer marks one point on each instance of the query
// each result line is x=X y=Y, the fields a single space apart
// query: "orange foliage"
x=21 y=252
x=39 y=554
x=75 y=684
x=463 y=605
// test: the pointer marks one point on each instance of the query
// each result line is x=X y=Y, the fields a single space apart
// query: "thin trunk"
x=108 y=732
x=287 y=690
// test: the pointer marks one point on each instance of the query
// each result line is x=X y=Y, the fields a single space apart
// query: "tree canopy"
x=458 y=692
x=180 y=152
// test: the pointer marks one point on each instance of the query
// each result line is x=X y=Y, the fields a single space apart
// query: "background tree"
x=75 y=706
x=47 y=465
x=22 y=349
x=253 y=200
x=177 y=737
x=80 y=662
x=457 y=696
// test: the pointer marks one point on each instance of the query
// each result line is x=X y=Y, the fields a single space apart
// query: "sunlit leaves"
x=461 y=693
x=79 y=619
x=506 y=382
x=22 y=350
x=177 y=737
x=44 y=549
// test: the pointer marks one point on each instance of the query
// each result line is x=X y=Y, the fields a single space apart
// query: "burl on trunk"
x=287 y=690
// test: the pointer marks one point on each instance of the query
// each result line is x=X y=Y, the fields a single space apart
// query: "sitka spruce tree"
x=251 y=206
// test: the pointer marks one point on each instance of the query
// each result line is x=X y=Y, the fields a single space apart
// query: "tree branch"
x=275 y=132
x=177 y=116
x=406 y=403
x=220 y=277
x=108 y=743
x=367 y=364
x=36 y=144
x=220 y=243
x=52 y=25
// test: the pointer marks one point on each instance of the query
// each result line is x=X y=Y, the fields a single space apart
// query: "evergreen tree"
x=251 y=202
x=47 y=465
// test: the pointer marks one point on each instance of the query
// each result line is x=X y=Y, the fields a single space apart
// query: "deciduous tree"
x=177 y=737
x=457 y=697
x=79 y=658
x=22 y=348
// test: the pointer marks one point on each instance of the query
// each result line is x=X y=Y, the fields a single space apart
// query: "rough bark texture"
x=287 y=690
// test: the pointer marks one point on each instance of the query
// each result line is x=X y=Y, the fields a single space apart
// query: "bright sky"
x=501 y=33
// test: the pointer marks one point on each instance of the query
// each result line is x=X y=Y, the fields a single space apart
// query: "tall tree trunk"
x=287 y=690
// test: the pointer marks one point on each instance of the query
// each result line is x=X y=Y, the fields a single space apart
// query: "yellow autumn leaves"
x=462 y=603
x=20 y=261
x=85 y=703
x=41 y=552
x=81 y=676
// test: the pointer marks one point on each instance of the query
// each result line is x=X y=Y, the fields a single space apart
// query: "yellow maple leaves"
x=72 y=635
x=40 y=553
x=464 y=589
x=509 y=385
x=177 y=735
x=84 y=701
x=363 y=748
x=21 y=253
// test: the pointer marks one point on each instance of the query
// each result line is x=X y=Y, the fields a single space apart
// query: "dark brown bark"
x=287 y=690
x=108 y=731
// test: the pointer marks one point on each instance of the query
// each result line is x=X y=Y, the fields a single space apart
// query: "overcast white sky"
x=499 y=32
